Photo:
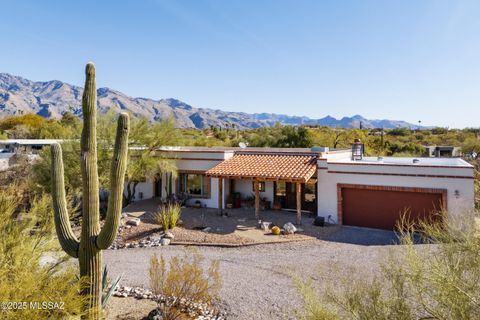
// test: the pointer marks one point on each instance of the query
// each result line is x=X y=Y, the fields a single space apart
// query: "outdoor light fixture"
x=357 y=150
x=457 y=194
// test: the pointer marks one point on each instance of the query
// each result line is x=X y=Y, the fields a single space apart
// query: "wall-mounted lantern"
x=457 y=194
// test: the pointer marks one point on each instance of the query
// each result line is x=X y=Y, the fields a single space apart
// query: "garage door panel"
x=383 y=208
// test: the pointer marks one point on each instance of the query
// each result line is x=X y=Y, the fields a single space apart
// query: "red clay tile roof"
x=291 y=167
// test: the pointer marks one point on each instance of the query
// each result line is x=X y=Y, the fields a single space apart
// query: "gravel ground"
x=257 y=280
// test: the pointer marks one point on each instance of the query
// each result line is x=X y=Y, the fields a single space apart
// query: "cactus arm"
x=88 y=158
x=117 y=178
x=65 y=235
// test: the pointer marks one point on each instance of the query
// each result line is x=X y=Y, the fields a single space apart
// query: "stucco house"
x=341 y=185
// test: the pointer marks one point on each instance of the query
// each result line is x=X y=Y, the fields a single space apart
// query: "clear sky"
x=405 y=59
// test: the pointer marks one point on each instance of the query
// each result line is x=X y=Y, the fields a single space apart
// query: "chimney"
x=357 y=150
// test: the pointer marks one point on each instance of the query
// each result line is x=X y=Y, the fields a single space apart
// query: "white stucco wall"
x=327 y=186
x=212 y=201
x=146 y=188
x=245 y=188
x=4 y=160
x=189 y=162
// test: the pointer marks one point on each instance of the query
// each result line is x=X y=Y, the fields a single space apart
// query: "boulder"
x=165 y=242
x=133 y=222
x=289 y=228
x=265 y=226
x=169 y=235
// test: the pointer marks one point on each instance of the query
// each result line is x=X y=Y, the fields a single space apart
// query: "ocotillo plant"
x=93 y=239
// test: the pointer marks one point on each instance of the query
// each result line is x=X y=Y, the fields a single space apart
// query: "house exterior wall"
x=333 y=169
x=449 y=178
x=245 y=188
x=144 y=190
x=194 y=162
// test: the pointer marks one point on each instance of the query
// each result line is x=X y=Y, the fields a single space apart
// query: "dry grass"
x=442 y=285
x=184 y=279
x=27 y=237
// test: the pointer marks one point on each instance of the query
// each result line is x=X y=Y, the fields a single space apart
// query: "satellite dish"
x=242 y=145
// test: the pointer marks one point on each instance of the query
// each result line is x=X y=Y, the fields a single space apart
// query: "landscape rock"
x=154 y=237
x=289 y=228
x=133 y=222
x=169 y=235
x=265 y=226
x=194 y=309
x=165 y=241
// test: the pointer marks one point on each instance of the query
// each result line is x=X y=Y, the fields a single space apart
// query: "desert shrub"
x=184 y=280
x=27 y=241
x=168 y=215
x=441 y=282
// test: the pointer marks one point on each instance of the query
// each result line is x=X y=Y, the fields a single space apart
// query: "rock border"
x=196 y=310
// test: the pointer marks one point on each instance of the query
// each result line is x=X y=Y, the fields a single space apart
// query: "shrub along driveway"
x=257 y=280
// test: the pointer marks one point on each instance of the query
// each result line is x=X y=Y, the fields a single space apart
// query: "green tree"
x=293 y=137
x=145 y=161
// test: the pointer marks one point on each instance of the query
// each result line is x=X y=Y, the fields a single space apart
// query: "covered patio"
x=292 y=168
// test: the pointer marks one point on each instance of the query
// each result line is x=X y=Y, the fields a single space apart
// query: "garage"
x=381 y=207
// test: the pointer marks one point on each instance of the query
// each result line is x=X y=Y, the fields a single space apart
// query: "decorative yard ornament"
x=93 y=239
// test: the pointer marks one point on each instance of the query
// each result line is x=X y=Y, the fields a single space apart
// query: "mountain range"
x=51 y=99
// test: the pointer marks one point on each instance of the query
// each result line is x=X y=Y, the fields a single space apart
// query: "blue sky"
x=407 y=60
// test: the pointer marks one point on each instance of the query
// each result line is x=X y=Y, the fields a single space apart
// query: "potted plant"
x=277 y=205
x=197 y=204
x=249 y=201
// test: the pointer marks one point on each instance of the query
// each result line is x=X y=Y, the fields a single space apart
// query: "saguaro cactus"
x=93 y=239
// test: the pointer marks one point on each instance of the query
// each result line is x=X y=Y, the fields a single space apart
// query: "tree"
x=145 y=161
x=31 y=126
x=293 y=137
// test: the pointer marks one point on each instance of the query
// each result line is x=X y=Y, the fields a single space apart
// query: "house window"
x=195 y=185
x=261 y=186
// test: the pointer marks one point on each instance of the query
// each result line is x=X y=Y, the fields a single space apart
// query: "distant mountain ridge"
x=51 y=99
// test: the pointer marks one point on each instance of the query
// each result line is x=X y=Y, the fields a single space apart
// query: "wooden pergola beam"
x=257 y=199
x=220 y=196
x=299 y=202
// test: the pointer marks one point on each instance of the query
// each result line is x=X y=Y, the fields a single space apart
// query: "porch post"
x=257 y=200
x=299 y=202
x=220 y=196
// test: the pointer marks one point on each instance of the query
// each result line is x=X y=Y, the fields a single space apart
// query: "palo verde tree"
x=93 y=238
x=144 y=161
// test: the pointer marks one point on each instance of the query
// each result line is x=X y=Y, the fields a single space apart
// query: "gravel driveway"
x=257 y=282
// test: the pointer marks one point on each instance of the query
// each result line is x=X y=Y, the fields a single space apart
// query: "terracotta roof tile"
x=296 y=167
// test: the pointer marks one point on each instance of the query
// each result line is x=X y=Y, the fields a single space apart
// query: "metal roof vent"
x=416 y=160
x=380 y=159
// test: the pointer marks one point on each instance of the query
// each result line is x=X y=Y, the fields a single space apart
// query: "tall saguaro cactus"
x=93 y=238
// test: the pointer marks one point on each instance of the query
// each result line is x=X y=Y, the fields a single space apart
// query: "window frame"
x=262 y=186
x=205 y=184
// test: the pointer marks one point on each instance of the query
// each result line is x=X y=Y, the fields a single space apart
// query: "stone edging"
x=194 y=309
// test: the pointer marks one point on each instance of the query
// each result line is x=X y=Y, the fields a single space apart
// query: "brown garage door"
x=381 y=209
